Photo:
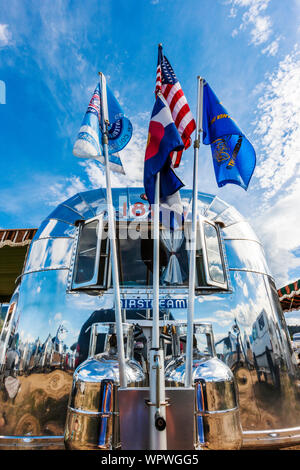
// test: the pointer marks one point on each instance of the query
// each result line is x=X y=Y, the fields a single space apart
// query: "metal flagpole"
x=192 y=268
x=158 y=435
x=155 y=325
x=112 y=234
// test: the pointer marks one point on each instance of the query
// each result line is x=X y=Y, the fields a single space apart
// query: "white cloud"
x=279 y=229
x=278 y=127
x=5 y=35
x=132 y=157
x=272 y=48
x=63 y=189
x=277 y=174
x=261 y=29
x=255 y=19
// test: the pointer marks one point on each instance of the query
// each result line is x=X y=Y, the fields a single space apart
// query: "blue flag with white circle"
x=89 y=139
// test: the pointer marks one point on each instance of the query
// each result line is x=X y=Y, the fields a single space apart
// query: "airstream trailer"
x=63 y=389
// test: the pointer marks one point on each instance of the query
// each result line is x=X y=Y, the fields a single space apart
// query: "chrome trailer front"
x=63 y=292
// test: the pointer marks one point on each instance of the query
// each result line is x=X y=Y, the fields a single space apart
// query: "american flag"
x=168 y=84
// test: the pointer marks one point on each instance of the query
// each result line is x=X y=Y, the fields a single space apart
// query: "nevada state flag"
x=163 y=138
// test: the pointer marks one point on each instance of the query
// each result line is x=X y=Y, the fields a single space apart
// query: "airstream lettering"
x=59 y=376
x=147 y=303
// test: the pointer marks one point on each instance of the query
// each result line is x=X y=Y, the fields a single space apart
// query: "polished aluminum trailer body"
x=40 y=347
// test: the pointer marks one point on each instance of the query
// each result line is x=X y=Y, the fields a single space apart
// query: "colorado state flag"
x=234 y=157
x=163 y=138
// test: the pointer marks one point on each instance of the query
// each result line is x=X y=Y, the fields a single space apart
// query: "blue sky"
x=51 y=51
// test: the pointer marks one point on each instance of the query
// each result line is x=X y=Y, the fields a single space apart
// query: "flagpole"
x=112 y=235
x=155 y=318
x=157 y=406
x=192 y=268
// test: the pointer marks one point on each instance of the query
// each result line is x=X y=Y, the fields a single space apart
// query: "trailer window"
x=215 y=265
x=211 y=265
x=134 y=244
x=136 y=257
x=135 y=253
x=91 y=265
x=86 y=259
x=135 y=250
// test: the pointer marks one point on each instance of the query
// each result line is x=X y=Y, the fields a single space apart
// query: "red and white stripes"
x=181 y=115
x=158 y=80
x=180 y=111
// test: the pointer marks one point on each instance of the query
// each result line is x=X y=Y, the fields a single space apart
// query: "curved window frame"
x=206 y=262
x=93 y=282
x=106 y=284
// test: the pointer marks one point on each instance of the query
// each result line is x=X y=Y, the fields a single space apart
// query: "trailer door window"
x=87 y=249
x=92 y=254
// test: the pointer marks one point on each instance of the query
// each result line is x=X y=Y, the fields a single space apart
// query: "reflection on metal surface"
x=31 y=442
x=134 y=418
x=271 y=439
x=49 y=334
x=246 y=255
x=49 y=253
x=93 y=412
x=217 y=420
